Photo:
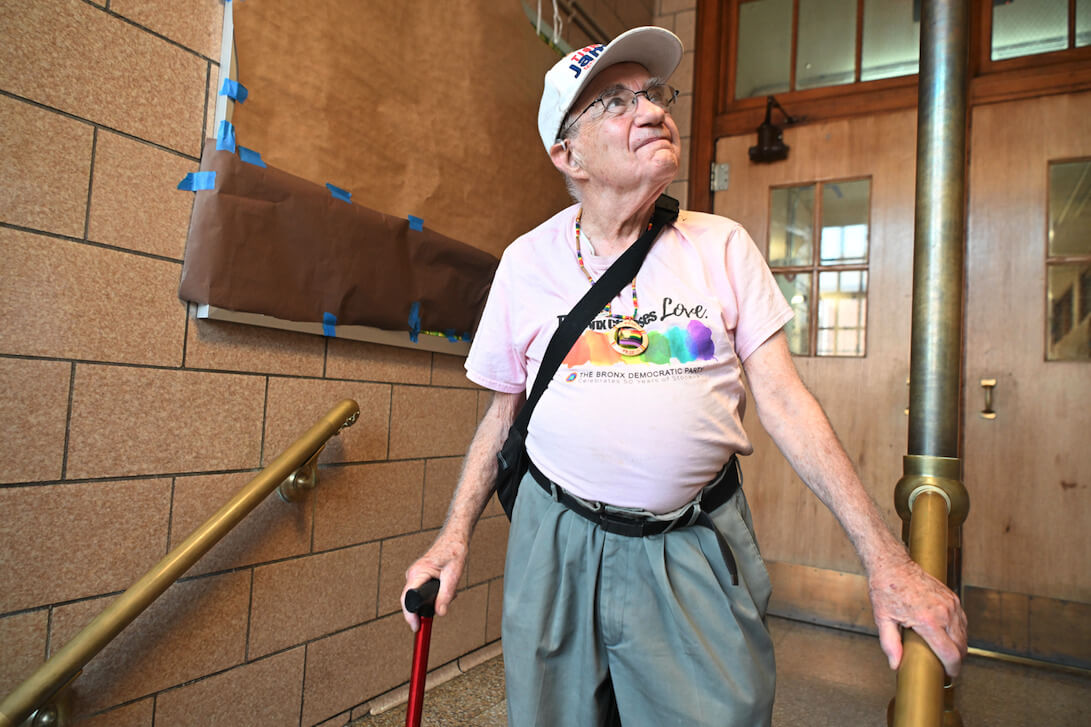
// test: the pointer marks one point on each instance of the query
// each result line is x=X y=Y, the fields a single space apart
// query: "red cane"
x=420 y=601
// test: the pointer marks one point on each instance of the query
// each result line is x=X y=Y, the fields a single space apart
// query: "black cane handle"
x=422 y=600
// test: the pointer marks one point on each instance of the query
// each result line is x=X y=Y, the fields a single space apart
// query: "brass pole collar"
x=924 y=473
x=929 y=488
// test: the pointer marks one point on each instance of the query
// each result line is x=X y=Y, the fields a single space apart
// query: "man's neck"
x=614 y=222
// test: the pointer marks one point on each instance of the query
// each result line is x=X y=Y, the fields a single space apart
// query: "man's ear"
x=566 y=160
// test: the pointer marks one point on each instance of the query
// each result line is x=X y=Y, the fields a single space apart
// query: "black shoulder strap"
x=594 y=300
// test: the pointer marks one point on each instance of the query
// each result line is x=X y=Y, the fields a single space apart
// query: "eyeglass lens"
x=621 y=100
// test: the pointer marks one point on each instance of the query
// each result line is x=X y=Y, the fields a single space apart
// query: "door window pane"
x=1083 y=23
x=796 y=288
x=1069 y=311
x=892 y=40
x=842 y=313
x=826 y=53
x=1027 y=28
x=1070 y=208
x=763 y=64
x=844 y=239
x=791 y=226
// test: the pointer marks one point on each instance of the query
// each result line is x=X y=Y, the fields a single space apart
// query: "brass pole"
x=63 y=666
x=936 y=352
x=919 y=698
x=930 y=497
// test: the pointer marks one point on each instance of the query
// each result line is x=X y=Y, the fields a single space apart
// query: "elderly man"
x=602 y=626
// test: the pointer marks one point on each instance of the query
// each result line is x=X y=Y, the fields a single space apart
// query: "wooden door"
x=1027 y=551
x=810 y=559
x=1027 y=555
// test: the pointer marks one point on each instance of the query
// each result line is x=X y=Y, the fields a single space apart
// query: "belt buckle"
x=616 y=522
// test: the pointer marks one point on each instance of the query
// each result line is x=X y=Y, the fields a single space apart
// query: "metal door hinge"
x=720 y=177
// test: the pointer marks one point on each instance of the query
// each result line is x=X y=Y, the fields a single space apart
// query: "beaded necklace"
x=608 y=310
x=627 y=337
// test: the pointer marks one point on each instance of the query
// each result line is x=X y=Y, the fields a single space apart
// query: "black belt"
x=715 y=494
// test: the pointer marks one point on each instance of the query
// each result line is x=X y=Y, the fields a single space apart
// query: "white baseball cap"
x=657 y=49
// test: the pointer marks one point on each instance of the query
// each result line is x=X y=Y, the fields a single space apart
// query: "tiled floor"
x=825 y=678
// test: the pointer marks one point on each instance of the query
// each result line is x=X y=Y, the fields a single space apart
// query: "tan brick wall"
x=127 y=421
x=680 y=16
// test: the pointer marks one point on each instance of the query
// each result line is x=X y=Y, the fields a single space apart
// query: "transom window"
x=1031 y=27
x=833 y=272
x=794 y=45
x=1068 y=262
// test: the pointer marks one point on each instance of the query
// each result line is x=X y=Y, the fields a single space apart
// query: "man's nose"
x=648 y=112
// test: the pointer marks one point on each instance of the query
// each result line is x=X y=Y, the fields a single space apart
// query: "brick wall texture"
x=127 y=421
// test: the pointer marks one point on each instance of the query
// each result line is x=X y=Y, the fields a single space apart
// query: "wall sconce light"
x=771 y=146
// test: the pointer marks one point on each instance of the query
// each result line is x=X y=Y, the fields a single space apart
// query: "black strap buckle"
x=620 y=524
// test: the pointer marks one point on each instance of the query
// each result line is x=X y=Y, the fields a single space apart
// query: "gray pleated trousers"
x=603 y=629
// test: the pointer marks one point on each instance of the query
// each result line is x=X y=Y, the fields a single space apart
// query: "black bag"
x=512 y=460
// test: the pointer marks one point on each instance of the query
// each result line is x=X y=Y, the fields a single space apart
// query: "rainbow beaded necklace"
x=608 y=310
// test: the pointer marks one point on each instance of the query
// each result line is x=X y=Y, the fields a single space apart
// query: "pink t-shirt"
x=644 y=431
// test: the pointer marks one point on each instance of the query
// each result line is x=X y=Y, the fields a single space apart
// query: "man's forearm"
x=821 y=462
x=800 y=429
x=479 y=471
x=902 y=595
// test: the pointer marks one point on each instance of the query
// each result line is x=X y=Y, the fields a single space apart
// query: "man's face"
x=631 y=150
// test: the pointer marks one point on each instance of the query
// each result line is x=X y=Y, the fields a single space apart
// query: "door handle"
x=988 y=385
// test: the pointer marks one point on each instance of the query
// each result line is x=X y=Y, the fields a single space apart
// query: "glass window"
x=796 y=288
x=822 y=35
x=826 y=53
x=1069 y=312
x=892 y=40
x=844 y=222
x=764 y=50
x=1068 y=262
x=842 y=313
x=1083 y=23
x=1070 y=208
x=1027 y=28
x=791 y=227
x=825 y=286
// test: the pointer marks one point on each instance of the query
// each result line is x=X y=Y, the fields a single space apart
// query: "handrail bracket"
x=297 y=485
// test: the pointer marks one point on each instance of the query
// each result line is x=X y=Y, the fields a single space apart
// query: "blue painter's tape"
x=414 y=321
x=250 y=156
x=341 y=194
x=415 y=223
x=329 y=324
x=225 y=137
x=198 y=180
x=234 y=90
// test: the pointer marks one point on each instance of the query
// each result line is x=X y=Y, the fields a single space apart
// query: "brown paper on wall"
x=265 y=241
x=425 y=108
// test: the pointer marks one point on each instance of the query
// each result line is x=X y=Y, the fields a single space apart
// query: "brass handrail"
x=66 y=664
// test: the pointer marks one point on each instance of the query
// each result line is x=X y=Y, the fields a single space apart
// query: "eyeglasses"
x=621 y=101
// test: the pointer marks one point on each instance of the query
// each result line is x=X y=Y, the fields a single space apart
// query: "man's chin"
x=666 y=159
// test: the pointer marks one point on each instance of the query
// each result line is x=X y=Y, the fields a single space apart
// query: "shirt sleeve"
x=762 y=309
x=493 y=361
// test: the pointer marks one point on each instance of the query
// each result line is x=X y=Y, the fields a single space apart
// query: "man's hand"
x=902 y=594
x=444 y=560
